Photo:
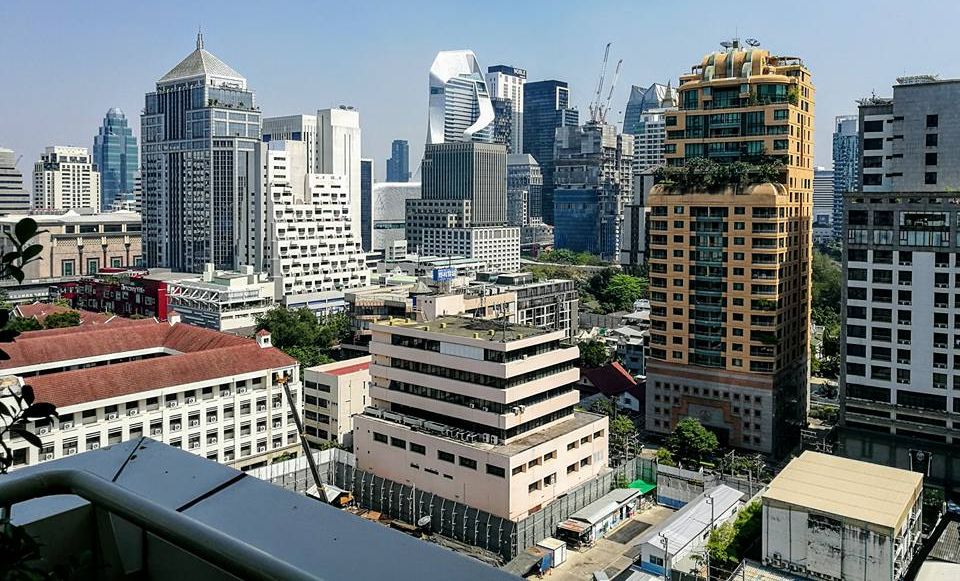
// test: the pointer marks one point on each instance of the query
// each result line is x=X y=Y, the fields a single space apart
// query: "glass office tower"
x=115 y=154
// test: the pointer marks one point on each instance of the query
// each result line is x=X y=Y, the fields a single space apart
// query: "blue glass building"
x=115 y=155
x=546 y=107
x=398 y=166
x=366 y=204
x=846 y=166
x=576 y=215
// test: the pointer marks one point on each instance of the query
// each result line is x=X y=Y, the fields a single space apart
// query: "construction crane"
x=613 y=85
x=595 y=104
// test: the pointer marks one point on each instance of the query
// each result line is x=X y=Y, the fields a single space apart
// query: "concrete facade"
x=221 y=300
x=333 y=394
x=66 y=178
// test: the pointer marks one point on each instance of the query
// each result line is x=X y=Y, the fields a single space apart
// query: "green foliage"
x=622 y=426
x=610 y=290
x=301 y=335
x=824 y=413
x=703 y=174
x=665 y=457
x=23 y=324
x=620 y=481
x=691 y=441
x=729 y=542
x=603 y=406
x=593 y=353
x=827 y=280
x=62 y=320
x=932 y=508
x=565 y=256
x=827 y=362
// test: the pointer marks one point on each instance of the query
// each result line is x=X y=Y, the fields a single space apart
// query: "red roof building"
x=614 y=382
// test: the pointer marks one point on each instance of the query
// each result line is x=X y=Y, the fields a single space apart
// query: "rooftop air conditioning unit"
x=495 y=440
x=133 y=412
x=224 y=394
x=473 y=405
x=191 y=400
x=241 y=390
x=112 y=416
x=261 y=408
x=66 y=425
x=261 y=428
x=194 y=445
x=194 y=423
x=71 y=451
x=261 y=448
x=172 y=404
x=211 y=441
x=48 y=456
x=95 y=446
x=156 y=431
x=43 y=431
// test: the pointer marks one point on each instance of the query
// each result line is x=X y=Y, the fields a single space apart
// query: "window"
x=875 y=126
x=931 y=140
x=872 y=179
x=496 y=471
x=933 y=121
x=930 y=178
x=445 y=456
x=67 y=267
x=116 y=262
x=418 y=449
x=468 y=463
x=377 y=437
x=534 y=486
x=93 y=265
x=872 y=144
x=930 y=158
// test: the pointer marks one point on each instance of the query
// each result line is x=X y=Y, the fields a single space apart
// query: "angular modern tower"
x=14 y=199
x=115 y=154
x=200 y=129
x=546 y=108
x=460 y=107
x=641 y=100
x=730 y=250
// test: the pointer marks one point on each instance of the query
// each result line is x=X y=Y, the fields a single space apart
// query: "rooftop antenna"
x=199 y=38
x=753 y=42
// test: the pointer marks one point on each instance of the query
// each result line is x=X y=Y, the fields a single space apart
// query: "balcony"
x=141 y=509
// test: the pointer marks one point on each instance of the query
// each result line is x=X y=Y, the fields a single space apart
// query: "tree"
x=691 y=441
x=299 y=333
x=593 y=353
x=307 y=355
x=23 y=324
x=603 y=406
x=665 y=457
x=622 y=426
x=622 y=291
x=729 y=542
x=62 y=320
x=827 y=281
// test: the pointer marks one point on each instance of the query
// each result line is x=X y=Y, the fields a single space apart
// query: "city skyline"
x=363 y=66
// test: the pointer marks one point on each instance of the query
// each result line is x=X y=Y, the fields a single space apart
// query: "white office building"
x=227 y=301
x=14 y=199
x=66 y=178
x=506 y=82
x=313 y=239
x=460 y=107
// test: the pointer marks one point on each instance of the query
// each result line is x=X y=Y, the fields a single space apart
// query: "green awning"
x=642 y=485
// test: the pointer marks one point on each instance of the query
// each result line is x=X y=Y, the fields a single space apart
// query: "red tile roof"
x=349 y=369
x=39 y=311
x=197 y=354
x=611 y=379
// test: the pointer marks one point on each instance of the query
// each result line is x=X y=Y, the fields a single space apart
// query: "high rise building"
x=312 y=237
x=480 y=412
x=460 y=108
x=389 y=212
x=900 y=340
x=642 y=99
x=366 y=204
x=730 y=258
x=823 y=198
x=200 y=131
x=546 y=108
x=525 y=203
x=506 y=82
x=846 y=166
x=463 y=208
x=398 y=165
x=66 y=178
x=115 y=155
x=593 y=167
x=294 y=128
x=502 y=122
x=14 y=199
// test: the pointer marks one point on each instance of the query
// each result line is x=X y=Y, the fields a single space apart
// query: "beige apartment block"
x=480 y=412
x=333 y=394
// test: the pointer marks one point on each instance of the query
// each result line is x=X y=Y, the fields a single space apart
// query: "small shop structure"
x=671 y=544
x=595 y=520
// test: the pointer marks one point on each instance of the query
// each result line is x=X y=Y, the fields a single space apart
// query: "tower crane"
x=613 y=85
x=595 y=104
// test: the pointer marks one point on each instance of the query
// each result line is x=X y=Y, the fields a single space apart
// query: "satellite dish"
x=753 y=42
x=726 y=44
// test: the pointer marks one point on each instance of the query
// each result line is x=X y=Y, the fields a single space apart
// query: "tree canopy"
x=300 y=334
x=729 y=542
x=827 y=281
x=593 y=353
x=691 y=441
x=61 y=320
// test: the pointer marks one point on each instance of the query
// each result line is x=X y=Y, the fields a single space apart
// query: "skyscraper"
x=115 y=154
x=200 y=130
x=546 y=107
x=366 y=204
x=846 y=166
x=460 y=108
x=398 y=165
x=593 y=166
x=14 y=199
x=463 y=207
x=730 y=255
x=900 y=344
x=506 y=82
x=65 y=178
x=502 y=122
x=294 y=128
x=641 y=100
x=823 y=207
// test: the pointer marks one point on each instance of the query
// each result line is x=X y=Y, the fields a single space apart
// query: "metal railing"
x=201 y=540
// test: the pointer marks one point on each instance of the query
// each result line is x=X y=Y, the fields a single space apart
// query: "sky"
x=63 y=64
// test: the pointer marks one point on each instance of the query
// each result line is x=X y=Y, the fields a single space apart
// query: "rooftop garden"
x=703 y=174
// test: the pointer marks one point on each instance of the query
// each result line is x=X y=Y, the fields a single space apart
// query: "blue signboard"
x=444 y=274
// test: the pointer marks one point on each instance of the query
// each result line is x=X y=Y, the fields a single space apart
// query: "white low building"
x=222 y=300
x=216 y=395
x=332 y=394
x=827 y=517
x=673 y=544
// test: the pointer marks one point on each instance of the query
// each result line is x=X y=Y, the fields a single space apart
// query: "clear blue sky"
x=63 y=64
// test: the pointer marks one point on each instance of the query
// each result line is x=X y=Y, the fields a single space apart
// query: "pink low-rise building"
x=480 y=412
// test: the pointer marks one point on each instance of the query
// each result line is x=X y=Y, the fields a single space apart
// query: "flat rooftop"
x=468 y=327
x=851 y=489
